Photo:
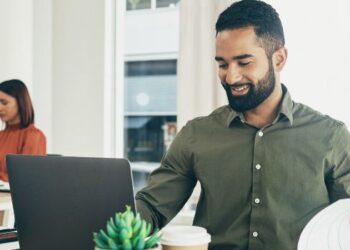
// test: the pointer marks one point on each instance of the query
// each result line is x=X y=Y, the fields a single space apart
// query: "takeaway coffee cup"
x=185 y=238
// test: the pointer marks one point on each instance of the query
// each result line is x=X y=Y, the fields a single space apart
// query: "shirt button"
x=257 y=200
x=258 y=166
x=255 y=234
x=260 y=133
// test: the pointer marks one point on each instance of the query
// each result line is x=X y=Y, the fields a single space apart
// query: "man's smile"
x=239 y=89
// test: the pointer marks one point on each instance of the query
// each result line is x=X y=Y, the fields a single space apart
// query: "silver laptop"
x=60 y=201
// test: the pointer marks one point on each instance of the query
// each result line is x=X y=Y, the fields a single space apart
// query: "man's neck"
x=267 y=111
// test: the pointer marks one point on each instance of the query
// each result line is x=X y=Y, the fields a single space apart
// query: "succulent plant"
x=126 y=231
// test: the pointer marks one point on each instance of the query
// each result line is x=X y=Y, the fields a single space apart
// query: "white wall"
x=57 y=48
x=318 y=36
x=42 y=67
x=16 y=32
x=78 y=80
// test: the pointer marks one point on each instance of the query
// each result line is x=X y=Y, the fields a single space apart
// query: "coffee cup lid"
x=184 y=236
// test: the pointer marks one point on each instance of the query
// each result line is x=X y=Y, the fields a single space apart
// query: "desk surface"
x=9 y=245
x=5 y=197
x=5 y=204
x=5 y=201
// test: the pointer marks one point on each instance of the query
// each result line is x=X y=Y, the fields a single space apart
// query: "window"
x=150 y=4
x=138 y=4
x=146 y=86
x=150 y=109
x=166 y=3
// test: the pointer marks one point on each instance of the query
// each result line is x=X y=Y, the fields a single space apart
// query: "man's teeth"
x=240 y=88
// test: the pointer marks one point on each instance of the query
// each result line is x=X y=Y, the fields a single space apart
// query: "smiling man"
x=266 y=164
x=247 y=72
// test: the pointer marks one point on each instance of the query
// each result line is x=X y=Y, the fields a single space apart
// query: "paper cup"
x=185 y=238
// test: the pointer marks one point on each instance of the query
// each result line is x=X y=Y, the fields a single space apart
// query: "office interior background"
x=119 y=78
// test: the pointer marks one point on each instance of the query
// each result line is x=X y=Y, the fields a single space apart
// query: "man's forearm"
x=146 y=212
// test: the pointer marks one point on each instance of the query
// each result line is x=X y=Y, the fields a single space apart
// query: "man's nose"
x=233 y=75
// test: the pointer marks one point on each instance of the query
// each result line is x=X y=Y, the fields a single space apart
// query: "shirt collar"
x=287 y=105
x=286 y=109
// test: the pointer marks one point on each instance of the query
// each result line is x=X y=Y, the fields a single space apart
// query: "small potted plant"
x=127 y=231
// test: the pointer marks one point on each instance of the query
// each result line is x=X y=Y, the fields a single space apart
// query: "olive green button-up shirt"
x=259 y=187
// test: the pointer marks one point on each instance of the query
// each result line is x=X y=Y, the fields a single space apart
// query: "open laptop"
x=60 y=201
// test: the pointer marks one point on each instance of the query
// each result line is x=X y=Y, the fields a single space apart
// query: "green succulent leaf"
x=134 y=241
x=123 y=235
x=111 y=232
x=128 y=216
x=136 y=228
x=152 y=241
x=140 y=244
x=120 y=223
x=127 y=245
x=103 y=236
x=98 y=236
x=148 y=229
x=126 y=231
x=112 y=224
x=100 y=243
x=112 y=244
x=142 y=232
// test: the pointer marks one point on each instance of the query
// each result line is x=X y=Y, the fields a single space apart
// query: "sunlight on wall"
x=317 y=36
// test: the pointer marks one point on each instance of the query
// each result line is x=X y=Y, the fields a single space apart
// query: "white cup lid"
x=184 y=236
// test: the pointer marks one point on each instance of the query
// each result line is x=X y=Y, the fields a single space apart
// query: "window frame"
x=152 y=8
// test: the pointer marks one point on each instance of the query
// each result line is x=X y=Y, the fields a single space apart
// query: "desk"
x=5 y=201
x=5 y=207
x=9 y=245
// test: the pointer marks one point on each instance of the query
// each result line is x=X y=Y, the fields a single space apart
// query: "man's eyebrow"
x=243 y=56
x=218 y=58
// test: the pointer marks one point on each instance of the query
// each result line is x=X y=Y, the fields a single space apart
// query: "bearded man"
x=266 y=164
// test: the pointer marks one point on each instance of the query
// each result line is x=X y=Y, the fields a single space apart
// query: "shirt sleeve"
x=170 y=185
x=34 y=143
x=339 y=181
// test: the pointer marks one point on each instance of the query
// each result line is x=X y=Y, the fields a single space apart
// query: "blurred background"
x=119 y=78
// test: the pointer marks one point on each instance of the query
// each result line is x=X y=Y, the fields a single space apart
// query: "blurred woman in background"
x=19 y=136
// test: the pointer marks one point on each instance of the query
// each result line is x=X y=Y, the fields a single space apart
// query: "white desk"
x=9 y=245
x=5 y=208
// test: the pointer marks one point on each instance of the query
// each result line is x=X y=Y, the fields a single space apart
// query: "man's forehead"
x=241 y=35
x=238 y=42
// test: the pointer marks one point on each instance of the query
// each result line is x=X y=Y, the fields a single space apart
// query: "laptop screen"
x=60 y=201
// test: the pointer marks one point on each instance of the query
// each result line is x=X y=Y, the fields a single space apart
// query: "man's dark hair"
x=259 y=15
x=19 y=91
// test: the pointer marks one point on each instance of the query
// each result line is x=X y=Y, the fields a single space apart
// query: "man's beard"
x=256 y=95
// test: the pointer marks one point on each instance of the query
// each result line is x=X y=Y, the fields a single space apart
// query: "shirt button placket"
x=256 y=199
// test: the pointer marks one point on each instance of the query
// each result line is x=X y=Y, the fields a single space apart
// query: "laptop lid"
x=60 y=201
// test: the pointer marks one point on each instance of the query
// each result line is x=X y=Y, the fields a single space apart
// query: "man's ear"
x=279 y=58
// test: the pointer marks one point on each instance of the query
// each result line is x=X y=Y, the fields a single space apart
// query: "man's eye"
x=243 y=63
x=223 y=66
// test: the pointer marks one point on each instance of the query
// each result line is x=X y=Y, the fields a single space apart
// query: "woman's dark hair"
x=19 y=91
x=259 y=15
